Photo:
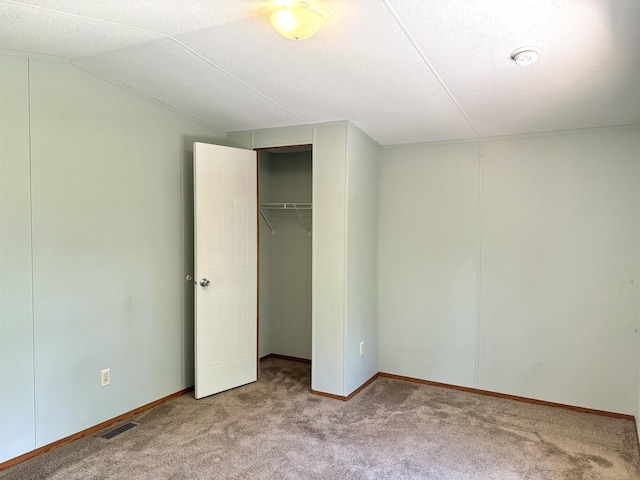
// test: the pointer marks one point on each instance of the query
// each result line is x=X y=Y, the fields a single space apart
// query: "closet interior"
x=285 y=193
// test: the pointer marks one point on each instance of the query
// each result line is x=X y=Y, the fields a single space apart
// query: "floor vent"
x=119 y=430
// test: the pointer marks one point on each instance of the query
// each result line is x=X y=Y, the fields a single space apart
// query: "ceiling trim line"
x=405 y=30
x=518 y=136
x=168 y=37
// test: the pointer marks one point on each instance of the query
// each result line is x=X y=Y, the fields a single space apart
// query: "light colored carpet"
x=276 y=429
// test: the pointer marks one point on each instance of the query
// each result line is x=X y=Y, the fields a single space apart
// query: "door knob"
x=204 y=282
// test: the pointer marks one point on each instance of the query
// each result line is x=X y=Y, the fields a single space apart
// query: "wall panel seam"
x=379 y=159
x=479 y=264
x=313 y=255
x=33 y=306
x=345 y=272
x=183 y=245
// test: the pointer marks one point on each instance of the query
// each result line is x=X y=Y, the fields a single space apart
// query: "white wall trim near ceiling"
x=288 y=128
x=580 y=131
x=41 y=56
x=168 y=37
x=429 y=65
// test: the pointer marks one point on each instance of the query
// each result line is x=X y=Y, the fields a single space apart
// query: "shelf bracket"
x=273 y=232
x=302 y=220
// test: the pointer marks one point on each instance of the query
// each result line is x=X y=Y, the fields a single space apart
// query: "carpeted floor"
x=276 y=429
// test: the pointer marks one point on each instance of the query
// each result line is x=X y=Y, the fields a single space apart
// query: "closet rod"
x=286 y=206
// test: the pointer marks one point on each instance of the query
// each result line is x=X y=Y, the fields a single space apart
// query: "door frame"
x=258 y=150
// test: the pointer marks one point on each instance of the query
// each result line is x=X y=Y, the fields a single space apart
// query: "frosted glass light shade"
x=297 y=21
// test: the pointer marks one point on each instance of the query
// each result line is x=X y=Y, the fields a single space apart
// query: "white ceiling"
x=404 y=71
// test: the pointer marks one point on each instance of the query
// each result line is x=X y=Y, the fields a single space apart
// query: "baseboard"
x=637 y=424
x=33 y=453
x=63 y=441
x=351 y=395
x=329 y=395
x=489 y=393
x=363 y=386
x=285 y=357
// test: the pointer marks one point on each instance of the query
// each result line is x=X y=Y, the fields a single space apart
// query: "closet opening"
x=284 y=258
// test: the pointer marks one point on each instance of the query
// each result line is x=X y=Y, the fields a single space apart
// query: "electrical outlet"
x=361 y=349
x=105 y=377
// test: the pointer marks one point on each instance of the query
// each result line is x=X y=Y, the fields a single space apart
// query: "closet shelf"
x=285 y=206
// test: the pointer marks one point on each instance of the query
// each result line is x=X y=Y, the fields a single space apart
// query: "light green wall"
x=17 y=428
x=329 y=258
x=560 y=262
x=428 y=262
x=512 y=265
x=363 y=180
x=637 y=415
x=112 y=243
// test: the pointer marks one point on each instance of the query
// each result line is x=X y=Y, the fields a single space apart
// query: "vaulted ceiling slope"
x=404 y=71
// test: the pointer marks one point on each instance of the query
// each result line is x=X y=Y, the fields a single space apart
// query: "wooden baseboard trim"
x=363 y=386
x=63 y=441
x=489 y=393
x=286 y=357
x=33 y=453
x=329 y=395
x=351 y=395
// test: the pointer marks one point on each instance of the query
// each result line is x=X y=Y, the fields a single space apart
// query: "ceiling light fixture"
x=525 y=56
x=297 y=21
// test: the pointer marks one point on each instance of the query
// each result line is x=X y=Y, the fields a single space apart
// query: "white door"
x=226 y=268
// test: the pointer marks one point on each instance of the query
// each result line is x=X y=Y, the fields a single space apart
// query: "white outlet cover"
x=105 y=377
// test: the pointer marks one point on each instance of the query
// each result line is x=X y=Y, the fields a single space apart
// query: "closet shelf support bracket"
x=273 y=232
x=306 y=227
